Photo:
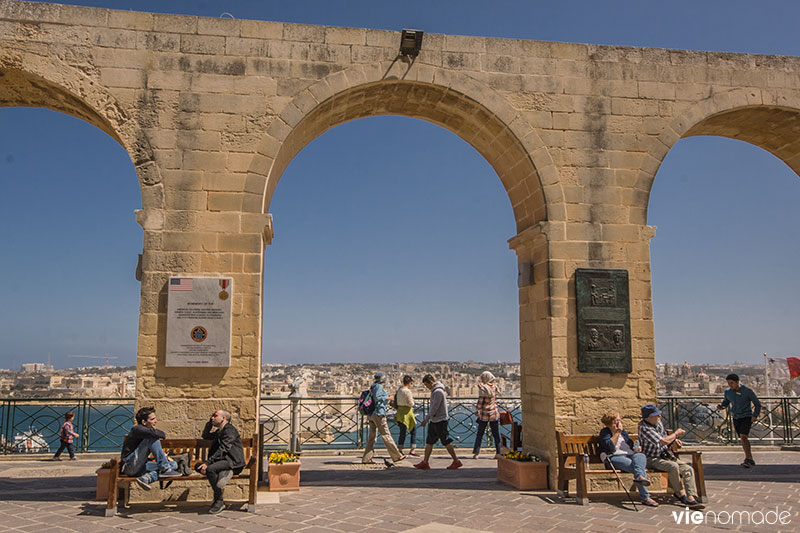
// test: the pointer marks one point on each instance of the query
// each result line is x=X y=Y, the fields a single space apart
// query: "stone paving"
x=340 y=495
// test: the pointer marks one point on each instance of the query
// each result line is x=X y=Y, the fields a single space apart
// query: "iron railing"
x=334 y=422
x=778 y=422
x=34 y=425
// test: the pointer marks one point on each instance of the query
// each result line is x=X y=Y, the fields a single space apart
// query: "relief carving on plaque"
x=605 y=338
x=603 y=292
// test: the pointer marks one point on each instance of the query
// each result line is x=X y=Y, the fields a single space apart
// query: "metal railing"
x=333 y=422
x=778 y=422
x=33 y=425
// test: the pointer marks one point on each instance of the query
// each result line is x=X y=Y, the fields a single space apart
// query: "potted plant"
x=283 y=471
x=523 y=471
x=103 y=474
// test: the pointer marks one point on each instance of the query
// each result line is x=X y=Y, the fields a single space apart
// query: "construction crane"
x=106 y=357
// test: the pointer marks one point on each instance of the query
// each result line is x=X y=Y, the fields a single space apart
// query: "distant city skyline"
x=390 y=233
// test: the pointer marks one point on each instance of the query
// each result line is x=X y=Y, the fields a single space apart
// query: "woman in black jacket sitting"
x=618 y=449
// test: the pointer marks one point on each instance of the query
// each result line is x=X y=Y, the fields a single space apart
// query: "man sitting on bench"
x=225 y=457
x=657 y=446
x=139 y=443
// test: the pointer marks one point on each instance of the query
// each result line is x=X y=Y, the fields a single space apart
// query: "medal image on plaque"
x=199 y=322
x=604 y=320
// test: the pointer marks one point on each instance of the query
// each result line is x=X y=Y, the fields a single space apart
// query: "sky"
x=383 y=254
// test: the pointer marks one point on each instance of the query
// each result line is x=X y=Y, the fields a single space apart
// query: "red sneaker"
x=455 y=464
x=423 y=465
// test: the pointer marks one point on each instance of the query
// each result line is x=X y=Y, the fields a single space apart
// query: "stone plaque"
x=604 y=320
x=199 y=321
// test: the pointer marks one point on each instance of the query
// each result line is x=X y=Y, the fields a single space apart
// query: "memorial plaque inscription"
x=604 y=320
x=199 y=321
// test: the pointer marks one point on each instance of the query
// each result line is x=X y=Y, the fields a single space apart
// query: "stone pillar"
x=176 y=245
x=536 y=324
x=555 y=395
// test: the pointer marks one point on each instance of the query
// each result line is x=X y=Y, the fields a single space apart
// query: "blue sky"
x=383 y=254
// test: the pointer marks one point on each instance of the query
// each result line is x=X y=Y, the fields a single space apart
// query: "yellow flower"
x=282 y=457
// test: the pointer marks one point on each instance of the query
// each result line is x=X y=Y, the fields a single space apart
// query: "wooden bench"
x=577 y=452
x=197 y=449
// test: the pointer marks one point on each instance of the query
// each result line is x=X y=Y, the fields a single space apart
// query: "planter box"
x=283 y=477
x=522 y=475
x=103 y=475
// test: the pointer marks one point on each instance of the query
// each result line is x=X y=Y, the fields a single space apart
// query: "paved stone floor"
x=338 y=494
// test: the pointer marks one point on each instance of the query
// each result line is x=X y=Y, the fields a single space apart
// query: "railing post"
x=84 y=438
x=294 y=425
x=4 y=430
x=360 y=429
x=788 y=438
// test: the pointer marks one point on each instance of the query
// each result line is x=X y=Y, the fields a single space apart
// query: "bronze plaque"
x=604 y=320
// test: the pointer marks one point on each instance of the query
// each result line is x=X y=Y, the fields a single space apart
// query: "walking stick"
x=619 y=480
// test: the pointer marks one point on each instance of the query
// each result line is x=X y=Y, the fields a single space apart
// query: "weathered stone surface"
x=213 y=110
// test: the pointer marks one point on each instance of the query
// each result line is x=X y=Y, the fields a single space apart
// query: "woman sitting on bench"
x=619 y=452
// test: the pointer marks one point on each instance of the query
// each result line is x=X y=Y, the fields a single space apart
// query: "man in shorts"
x=740 y=399
x=437 y=417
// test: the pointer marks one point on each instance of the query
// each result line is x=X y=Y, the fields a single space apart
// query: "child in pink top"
x=66 y=436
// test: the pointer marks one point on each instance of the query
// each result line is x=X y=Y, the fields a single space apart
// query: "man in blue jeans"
x=143 y=440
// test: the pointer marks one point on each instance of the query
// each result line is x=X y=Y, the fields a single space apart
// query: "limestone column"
x=215 y=244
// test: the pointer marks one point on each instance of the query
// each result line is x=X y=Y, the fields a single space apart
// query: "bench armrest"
x=693 y=453
x=573 y=454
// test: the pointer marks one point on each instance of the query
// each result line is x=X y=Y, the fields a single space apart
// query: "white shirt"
x=404 y=397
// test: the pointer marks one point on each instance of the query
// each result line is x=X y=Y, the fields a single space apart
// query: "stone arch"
x=454 y=101
x=32 y=80
x=756 y=116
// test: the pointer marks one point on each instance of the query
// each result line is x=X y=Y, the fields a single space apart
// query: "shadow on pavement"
x=48 y=489
x=785 y=473
x=403 y=477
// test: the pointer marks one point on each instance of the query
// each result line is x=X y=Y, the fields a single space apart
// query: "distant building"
x=36 y=367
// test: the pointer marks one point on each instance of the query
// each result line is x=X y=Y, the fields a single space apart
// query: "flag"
x=784 y=369
x=180 y=284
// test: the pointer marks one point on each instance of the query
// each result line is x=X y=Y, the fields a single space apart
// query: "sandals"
x=642 y=481
x=650 y=502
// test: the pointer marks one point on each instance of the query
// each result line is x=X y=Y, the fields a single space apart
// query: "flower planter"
x=524 y=475
x=102 y=483
x=284 y=476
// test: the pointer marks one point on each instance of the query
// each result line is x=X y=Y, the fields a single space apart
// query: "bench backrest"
x=585 y=444
x=198 y=448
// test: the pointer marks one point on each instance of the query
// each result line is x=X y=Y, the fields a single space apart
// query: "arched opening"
x=70 y=242
x=724 y=254
x=499 y=146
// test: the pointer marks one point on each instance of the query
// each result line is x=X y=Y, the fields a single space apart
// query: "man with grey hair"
x=225 y=456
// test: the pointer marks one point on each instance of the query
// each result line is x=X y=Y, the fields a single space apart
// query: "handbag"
x=505 y=417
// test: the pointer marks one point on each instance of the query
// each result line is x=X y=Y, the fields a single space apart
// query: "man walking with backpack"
x=376 y=415
x=437 y=416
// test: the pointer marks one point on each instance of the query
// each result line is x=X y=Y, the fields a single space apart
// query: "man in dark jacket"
x=139 y=443
x=225 y=457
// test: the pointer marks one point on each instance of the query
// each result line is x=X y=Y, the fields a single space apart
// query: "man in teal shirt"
x=740 y=398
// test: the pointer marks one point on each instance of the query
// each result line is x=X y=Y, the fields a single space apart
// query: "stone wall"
x=213 y=110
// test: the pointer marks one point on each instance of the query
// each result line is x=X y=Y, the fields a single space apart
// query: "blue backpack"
x=366 y=404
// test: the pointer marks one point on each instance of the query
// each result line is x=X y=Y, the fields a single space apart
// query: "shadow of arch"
x=61 y=88
x=773 y=125
x=458 y=104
